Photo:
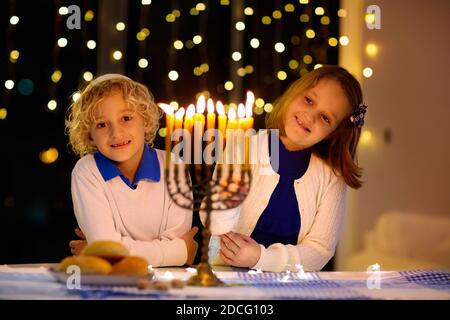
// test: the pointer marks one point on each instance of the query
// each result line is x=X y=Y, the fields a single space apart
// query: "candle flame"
x=190 y=111
x=249 y=104
x=201 y=104
x=231 y=114
x=210 y=105
x=179 y=114
x=241 y=110
x=167 y=108
x=220 y=108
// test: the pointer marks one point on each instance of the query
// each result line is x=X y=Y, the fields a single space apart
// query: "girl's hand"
x=77 y=245
x=191 y=245
x=239 y=250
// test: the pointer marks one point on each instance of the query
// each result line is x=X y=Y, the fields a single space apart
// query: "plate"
x=99 y=279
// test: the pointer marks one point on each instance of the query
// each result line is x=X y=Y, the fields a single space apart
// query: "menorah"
x=218 y=183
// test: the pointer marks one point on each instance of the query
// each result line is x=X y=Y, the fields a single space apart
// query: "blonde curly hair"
x=80 y=114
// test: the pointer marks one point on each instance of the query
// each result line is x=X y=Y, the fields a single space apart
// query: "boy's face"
x=118 y=132
x=314 y=114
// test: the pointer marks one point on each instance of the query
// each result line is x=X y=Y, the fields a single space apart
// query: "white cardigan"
x=146 y=219
x=321 y=198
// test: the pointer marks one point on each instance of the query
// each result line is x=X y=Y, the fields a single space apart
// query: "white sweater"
x=146 y=219
x=321 y=198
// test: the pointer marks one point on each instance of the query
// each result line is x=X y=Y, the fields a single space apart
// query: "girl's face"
x=314 y=114
x=118 y=132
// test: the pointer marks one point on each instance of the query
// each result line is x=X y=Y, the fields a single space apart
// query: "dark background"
x=36 y=214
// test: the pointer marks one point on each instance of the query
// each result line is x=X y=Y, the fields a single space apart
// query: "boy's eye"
x=126 y=118
x=100 y=125
x=325 y=118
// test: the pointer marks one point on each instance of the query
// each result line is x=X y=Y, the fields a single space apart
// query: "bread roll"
x=87 y=264
x=131 y=266
x=112 y=251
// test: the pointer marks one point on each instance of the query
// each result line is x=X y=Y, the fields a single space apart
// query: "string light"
x=91 y=44
x=240 y=26
x=343 y=40
x=63 y=11
x=281 y=75
x=146 y=2
x=143 y=63
x=248 y=11
x=62 y=42
x=266 y=20
x=49 y=156
x=254 y=43
x=120 y=26
x=236 y=56
x=277 y=14
x=88 y=76
x=333 y=42
x=279 y=47
x=371 y=49
x=228 y=85
x=14 y=56
x=367 y=72
x=304 y=18
x=173 y=75
x=289 y=7
x=117 y=55
x=319 y=11
x=89 y=15
x=76 y=96
x=3 y=113
x=293 y=64
x=310 y=33
x=342 y=13
x=9 y=84
x=51 y=105
x=178 y=44
x=14 y=20
x=197 y=39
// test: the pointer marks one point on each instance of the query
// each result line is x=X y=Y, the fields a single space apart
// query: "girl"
x=294 y=216
x=118 y=187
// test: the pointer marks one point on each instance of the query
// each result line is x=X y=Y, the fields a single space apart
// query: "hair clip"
x=357 y=118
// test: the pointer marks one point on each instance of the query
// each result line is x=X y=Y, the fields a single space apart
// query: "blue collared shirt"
x=148 y=168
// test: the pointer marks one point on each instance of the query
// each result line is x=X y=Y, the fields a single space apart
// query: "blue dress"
x=280 y=221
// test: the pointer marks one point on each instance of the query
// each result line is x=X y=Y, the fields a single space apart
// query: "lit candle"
x=222 y=118
x=211 y=117
x=232 y=123
x=168 y=110
x=249 y=109
x=189 y=118
x=201 y=106
x=199 y=125
x=179 y=118
x=241 y=116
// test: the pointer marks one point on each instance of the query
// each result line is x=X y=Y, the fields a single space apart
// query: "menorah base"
x=205 y=277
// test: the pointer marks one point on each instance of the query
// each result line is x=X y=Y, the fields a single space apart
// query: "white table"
x=36 y=281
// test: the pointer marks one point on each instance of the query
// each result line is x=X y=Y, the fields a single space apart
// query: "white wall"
x=408 y=95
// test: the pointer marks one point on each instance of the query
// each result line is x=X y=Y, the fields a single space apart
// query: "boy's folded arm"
x=94 y=217
x=92 y=209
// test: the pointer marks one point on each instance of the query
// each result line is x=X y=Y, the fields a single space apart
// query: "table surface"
x=37 y=281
